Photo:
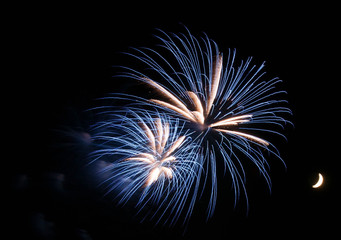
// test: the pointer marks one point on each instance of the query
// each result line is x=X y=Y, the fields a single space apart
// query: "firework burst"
x=150 y=160
x=214 y=94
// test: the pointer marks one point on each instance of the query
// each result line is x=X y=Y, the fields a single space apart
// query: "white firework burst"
x=232 y=102
x=152 y=161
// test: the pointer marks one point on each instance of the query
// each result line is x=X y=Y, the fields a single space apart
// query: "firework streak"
x=227 y=107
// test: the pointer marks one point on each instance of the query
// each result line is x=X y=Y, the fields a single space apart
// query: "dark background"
x=61 y=59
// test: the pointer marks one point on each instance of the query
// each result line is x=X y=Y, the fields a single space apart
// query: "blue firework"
x=150 y=160
x=231 y=102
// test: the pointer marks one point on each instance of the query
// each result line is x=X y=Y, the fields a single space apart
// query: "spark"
x=197 y=116
x=160 y=161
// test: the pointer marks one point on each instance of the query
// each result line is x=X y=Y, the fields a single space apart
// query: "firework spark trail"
x=151 y=160
x=231 y=100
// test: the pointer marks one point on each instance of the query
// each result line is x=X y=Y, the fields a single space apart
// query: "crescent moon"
x=319 y=182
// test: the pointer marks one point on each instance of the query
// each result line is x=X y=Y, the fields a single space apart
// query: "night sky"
x=63 y=60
